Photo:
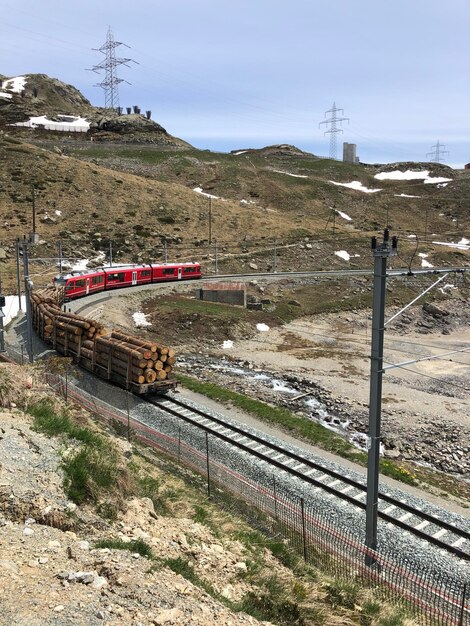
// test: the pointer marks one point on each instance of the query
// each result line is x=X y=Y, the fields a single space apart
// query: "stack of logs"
x=116 y=356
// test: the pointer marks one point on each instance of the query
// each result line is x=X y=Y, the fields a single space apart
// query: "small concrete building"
x=226 y=293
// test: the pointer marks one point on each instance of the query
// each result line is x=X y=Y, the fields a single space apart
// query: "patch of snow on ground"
x=203 y=193
x=5 y=95
x=228 y=343
x=140 y=319
x=58 y=212
x=343 y=255
x=411 y=236
x=247 y=202
x=461 y=245
x=404 y=195
x=66 y=123
x=438 y=179
x=289 y=174
x=345 y=216
x=412 y=175
x=424 y=263
x=357 y=185
x=11 y=308
x=239 y=152
x=262 y=327
x=16 y=84
x=448 y=286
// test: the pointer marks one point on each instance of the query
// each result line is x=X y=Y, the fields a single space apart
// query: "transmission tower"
x=438 y=152
x=333 y=130
x=109 y=65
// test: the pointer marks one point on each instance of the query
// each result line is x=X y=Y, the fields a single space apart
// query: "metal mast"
x=437 y=153
x=109 y=65
x=333 y=130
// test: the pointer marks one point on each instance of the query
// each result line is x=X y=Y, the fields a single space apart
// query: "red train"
x=82 y=283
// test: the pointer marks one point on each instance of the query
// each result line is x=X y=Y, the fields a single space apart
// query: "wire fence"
x=433 y=597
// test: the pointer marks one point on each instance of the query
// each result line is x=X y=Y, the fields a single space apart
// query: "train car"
x=127 y=276
x=81 y=283
x=175 y=271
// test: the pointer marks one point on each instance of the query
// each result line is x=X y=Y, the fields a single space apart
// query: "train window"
x=70 y=286
x=168 y=270
x=118 y=276
x=80 y=283
x=189 y=270
x=145 y=273
x=96 y=280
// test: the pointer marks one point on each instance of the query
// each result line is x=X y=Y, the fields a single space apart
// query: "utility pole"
x=27 y=288
x=381 y=254
x=34 y=238
x=210 y=220
x=60 y=256
x=333 y=130
x=109 y=65
x=110 y=253
x=216 y=268
x=437 y=152
x=18 y=277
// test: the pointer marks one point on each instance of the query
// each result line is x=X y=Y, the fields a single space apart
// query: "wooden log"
x=168 y=369
x=102 y=373
x=158 y=365
x=136 y=341
x=171 y=360
x=69 y=328
x=142 y=363
x=126 y=349
x=73 y=322
x=161 y=375
x=150 y=375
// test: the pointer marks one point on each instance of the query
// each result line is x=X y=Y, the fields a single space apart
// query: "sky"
x=233 y=74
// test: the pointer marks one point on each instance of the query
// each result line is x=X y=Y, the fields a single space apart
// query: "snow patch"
x=239 y=152
x=5 y=95
x=446 y=287
x=343 y=255
x=404 y=195
x=228 y=343
x=15 y=84
x=289 y=174
x=58 y=213
x=262 y=327
x=412 y=175
x=140 y=319
x=357 y=185
x=423 y=257
x=463 y=244
x=203 y=193
x=12 y=307
x=63 y=123
x=345 y=216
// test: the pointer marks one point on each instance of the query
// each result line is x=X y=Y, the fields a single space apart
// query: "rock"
x=28 y=532
x=170 y=616
x=294 y=303
x=252 y=266
x=3 y=254
x=99 y=582
x=434 y=310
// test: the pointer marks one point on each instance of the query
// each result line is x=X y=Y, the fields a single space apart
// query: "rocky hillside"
x=39 y=95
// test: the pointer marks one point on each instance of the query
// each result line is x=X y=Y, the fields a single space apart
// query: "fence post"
x=66 y=385
x=179 y=444
x=275 y=499
x=207 y=466
x=462 y=610
x=304 y=531
x=128 y=417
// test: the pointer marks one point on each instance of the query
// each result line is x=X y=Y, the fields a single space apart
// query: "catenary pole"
x=27 y=288
x=381 y=253
x=18 y=273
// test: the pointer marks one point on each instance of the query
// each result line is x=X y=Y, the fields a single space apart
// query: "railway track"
x=393 y=511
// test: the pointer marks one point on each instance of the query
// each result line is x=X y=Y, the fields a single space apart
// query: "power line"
x=109 y=65
x=333 y=130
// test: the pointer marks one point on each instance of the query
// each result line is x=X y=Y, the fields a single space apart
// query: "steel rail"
x=317 y=483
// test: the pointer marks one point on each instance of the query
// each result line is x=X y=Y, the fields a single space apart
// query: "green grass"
x=47 y=421
x=91 y=471
x=137 y=546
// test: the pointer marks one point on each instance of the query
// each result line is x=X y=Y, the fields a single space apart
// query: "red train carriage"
x=175 y=271
x=82 y=283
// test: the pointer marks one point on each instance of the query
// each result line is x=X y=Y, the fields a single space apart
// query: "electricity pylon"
x=438 y=152
x=109 y=65
x=333 y=130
